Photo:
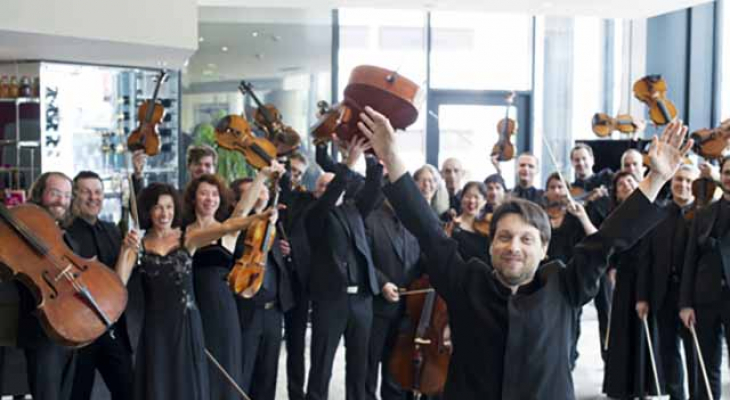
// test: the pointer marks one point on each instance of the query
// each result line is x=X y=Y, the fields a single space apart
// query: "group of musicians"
x=347 y=250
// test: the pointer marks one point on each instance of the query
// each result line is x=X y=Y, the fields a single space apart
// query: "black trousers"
x=295 y=330
x=262 y=337
x=50 y=369
x=113 y=359
x=602 y=302
x=383 y=337
x=351 y=315
x=712 y=320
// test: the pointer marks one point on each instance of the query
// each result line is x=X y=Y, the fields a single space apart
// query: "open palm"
x=667 y=152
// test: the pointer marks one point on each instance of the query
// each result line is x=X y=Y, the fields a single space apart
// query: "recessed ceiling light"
x=259 y=56
x=187 y=61
x=201 y=39
x=276 y=38
x=255 y=34
x=224 y=49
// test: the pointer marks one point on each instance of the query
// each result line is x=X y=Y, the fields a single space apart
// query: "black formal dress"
x=342 y=280
x=660 y=273
x=296 y=319
x=111 y=354
x=518 y=346
x=221 y=325
x=628 y=371
x=50 y=367
x=395 y=255
x=704 y=286
x=261 y=320
x=171 y=361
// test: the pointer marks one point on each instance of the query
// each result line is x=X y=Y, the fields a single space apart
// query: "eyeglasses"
x=58 y=194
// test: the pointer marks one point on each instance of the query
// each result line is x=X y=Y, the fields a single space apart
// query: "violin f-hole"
x=49 y=281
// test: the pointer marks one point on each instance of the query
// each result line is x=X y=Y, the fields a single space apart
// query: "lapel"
x=712 y=216
x=341 y=215
x=398 y=242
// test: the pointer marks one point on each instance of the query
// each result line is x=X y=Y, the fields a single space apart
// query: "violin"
x=247 y=275
x=328 y=119
x=78 y=299
x=711 y=143
x=268 y=118
x=386 y=91
x=234 y=133
x=482 y=224
x=652 y=90
x=147 y=136
x=503 y=149
x=603 y=124
x=420 y=359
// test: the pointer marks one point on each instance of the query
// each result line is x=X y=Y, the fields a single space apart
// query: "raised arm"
x=128 y=255
x=316 y=217
x=201 y=236
x=248 y=199
x=616 y=233
x=369 y=195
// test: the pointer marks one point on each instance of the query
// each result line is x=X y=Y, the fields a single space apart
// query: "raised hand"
x=356 y=148
x=376 y=127
x=667 y=152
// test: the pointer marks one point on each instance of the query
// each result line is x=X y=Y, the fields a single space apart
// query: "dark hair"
x=614 y=195
x=236 y=187
x=532 y=213
x=582 y=146
x=495 y=178
x=39 y=186
x=85 y=175
x=553 y=177
x=300 y=157
x=191 y=190
x=149 y=197
x=481 y=188
x=196 y=153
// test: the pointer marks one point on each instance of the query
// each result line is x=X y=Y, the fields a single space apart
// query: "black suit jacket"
x=334 y=230
x=518 y=344
x=395 y=253
x=293 y=217
x=656 y=257
x=704 y=268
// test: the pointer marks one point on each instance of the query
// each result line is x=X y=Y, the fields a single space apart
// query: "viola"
x=420 y=359
x=506 y=127
x=268 y=118
x=386 y=91
x=603 y=124
x=652 y=90
x=78 y=299
x=147 y=136
x=247 y=275
x=234 y=133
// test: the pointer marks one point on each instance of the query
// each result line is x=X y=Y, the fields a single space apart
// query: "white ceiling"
x=599 y=8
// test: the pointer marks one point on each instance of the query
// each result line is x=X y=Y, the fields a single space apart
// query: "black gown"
x=628 y=368
x=211 y=265
x=171 y=362
x=472 y=245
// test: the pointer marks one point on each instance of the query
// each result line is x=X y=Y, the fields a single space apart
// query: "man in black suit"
x=521 y=318
x=395 y=254
x=262 y=317
x=704 y=297
x=110 y=354
x=50 y=366
x=297 y=201
x=342 y=279
x=660 y=273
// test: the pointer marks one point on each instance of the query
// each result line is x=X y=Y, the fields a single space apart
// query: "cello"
x=146 y=136
x=386 y=91
x=78 y=299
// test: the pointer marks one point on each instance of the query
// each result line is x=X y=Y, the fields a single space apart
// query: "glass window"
x=724 y=26
x=481 y=51
x=392 y=39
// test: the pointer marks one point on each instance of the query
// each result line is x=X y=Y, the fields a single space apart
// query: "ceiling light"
x=211 y=65
x=260 y=56
x=224 y=49
x=276 y=38
x=255 y=34
x=201 y=39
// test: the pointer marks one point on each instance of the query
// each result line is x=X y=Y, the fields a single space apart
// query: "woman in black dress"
x=206 y=205
x=170 y=361
x=472 y=244
x=628 y=371
x=568 y=227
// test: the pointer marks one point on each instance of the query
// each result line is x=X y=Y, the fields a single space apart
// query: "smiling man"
x=520 y=319
x=111 y=354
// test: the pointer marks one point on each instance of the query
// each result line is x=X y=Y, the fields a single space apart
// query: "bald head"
x=633 y=162
x=453 y=173
x=322 y=182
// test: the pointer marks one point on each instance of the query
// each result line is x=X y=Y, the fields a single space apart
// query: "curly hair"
x=191 y=190
x=148 y=199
